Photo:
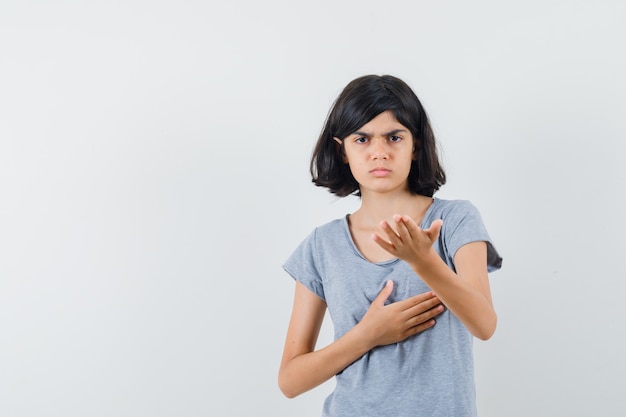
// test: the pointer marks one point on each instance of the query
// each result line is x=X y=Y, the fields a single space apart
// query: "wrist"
x=426 y=263
x=361 y=339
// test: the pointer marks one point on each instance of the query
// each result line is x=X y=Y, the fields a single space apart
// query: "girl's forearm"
x=308 y=370
x=467 y=302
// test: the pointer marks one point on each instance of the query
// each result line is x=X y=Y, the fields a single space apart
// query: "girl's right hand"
x=392 y=323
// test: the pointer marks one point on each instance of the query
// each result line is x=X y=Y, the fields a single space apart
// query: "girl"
x=405 y=277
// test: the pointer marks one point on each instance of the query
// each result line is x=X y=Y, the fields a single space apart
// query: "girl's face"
x=380 y=154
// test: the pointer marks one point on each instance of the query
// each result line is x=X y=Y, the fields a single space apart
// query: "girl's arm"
x=465 y=293
x=303 y=368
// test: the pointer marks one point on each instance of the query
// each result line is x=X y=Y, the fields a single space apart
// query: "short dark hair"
x=360 y=101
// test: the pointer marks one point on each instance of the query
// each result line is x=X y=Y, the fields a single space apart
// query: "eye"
x=361 y=139
x=395 y=138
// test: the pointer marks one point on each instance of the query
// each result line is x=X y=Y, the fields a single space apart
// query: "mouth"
x=380 y=172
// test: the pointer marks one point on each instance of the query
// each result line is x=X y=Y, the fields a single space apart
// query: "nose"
x=379 y=150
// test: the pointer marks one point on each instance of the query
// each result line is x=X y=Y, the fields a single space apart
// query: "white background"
x=154 y=176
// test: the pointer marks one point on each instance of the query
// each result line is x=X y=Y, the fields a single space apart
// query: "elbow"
x=484 y=335
x=287 y=392
x=486 y=331
x=285 y=387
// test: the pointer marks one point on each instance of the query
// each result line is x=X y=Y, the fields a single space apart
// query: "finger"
x=423 y=305
x=389 y=231
x=424 y=320
x=384 y=294
x=411 y=226
x=412 y=307
x=434 y=229
x=388 y=246
x=402 y=225
x=420 y=327
x=423 y=311
x=426 y=315
x=419 y=298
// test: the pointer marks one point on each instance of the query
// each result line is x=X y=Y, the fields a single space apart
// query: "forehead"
x=384 y=122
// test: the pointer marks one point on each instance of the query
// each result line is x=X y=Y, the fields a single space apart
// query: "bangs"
x=361 y=109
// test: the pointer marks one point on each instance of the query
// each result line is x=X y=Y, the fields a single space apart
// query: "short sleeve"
x=463 y=224
x=303 y=263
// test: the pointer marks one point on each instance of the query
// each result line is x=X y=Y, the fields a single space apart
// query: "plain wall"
x=154 y=177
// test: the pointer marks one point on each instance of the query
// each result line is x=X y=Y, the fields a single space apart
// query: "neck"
x=376 y=207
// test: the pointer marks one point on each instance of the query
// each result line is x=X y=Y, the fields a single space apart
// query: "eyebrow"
x=390 y=133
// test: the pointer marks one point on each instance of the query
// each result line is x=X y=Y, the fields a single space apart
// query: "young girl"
x=405 y=277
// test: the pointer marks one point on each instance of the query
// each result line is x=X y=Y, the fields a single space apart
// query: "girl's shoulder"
x=330 y=230
x=332 y=227
x=442 y=208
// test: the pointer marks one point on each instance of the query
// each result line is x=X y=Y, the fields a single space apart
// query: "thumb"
x=384 y=294
x=434 y=229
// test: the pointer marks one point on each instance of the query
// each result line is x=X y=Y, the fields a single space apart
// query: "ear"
x=340 y=148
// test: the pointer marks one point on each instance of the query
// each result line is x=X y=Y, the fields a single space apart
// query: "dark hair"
x=360 y=101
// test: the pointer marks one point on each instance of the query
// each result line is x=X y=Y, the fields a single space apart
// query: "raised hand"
x=406 y=240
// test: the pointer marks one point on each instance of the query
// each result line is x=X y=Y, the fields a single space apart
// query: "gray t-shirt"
x=429 y=374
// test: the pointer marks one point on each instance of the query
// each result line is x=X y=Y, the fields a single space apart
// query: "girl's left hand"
x=408 y=242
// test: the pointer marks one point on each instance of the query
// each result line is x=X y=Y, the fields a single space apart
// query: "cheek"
x=349 y=157
x=356 y=168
